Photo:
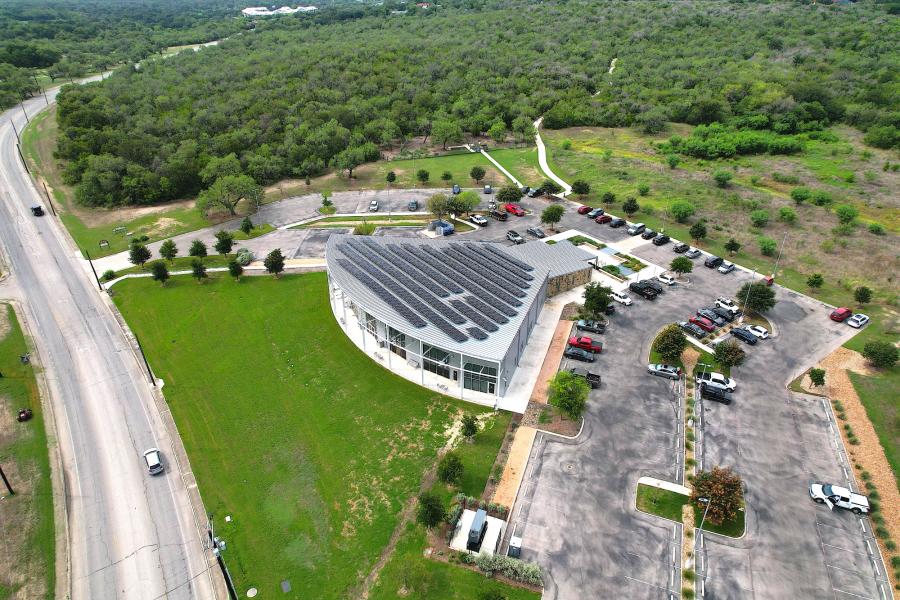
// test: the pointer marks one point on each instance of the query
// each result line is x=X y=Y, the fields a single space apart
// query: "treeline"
x=302 y=96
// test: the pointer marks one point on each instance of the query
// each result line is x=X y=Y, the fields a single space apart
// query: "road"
x=130 y=535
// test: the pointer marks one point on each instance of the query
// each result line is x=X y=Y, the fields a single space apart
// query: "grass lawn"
x=257 y=231
x=385 y=219
x=879 y=396
x=522 y=163
x=310 y=446
x=667 y=505
x=26 y=519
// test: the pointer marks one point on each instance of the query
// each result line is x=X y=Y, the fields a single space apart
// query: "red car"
x=585 y=343
x=840 y=314
x=515 y=209
x=603 y=219
x=703 y=323
x=583 y=210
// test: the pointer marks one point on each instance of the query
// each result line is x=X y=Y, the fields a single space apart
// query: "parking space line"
x=837 y=591
x=860 y=573
x=844 y=549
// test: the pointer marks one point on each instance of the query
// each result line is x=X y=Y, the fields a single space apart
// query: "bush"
x=364 y=228
x=450 y=469
x=729 y=353
x=800 y=195
x=786 y=214
x=682 y=210
x=843 y=230
x=862 y=295
x=815 y=281
x=722 y=178
x=108 y=275
x=817 y=377
x=845 y=213
x=759 y=218
x=880 y=353
x=876 y=228
x=469 y=426
x=430 y=511
x=643 y=189
x=670 y=343
x=244 y=256
x=788 y=179
x=513 y=568
x=767 y=246
x=821 y=198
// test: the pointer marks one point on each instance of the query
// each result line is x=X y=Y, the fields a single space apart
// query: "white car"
x=621 y=298
x=727 y=303
x=153 y=459
x=716 y=380
x=478 y=220
x=726 y=267
x=833 y=495
x=757 y=330
x=692 y=253
x=373 y=206
x=666 y=279
x=857 y=320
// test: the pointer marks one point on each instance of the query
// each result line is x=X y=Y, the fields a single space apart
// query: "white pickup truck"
x=832 y=495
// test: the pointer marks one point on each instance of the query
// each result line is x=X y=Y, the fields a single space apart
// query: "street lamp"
x=747 y=298
x=705 y=501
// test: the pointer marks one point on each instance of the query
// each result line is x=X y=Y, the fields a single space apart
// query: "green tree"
x=821 y=198
x=697 y=231
x=497 y=131
x=732 y=246
x=430 y=511
x=198 y=270
x=569 y=393
x=235 y=269
x=168 y=250
x=643 y=189
x=226 y=192
x=817 y=377
x=596 y=298
x=220 y=166
x=722 y=178
x=880 y=353
x=580 y=187
x=608 y=198
x=846 y=214
x=724 y=491
x=682 y=210
x=446 y=131
x=274 y=262
x=450 y=468
x=224 y=242
x=246 y=225
x=767 y=246
x=681 y=265
x=138 y=254
x=630 y=206
x=800 y=195
x=509 y=193
x=466 y=202
x=670 y=343
x=756 y=297
x=729 y=354
x=815 y=281
x=197 y=249
x=477 y=174
x=446 y=176
x=672 y=160
x=469 y=426
x=759 y=218
x=862 y=295
x=422 y=175
x=391 y=177
x=552 y=215
x=438 y=205
x=550 y=187
x=160 y=272
x=786 y=214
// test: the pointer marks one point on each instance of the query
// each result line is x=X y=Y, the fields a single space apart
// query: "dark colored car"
x=661 y=240
x=456 y=189
x=583 y=210
x=724 y=313
x=712 y=262
x=692 y=329
x=653 y=285
x=609 y=310
x=603 y=219
x=579 y=354
x=498 y=214
x=37 y=211
x=412 y=205
x=642 y=289
x=593 y=379
x=535 y=193
x=680 y=248
x=710 y=315
x=617 y=222
x=708 y=392
x=648 y=234
x=840 y=314
x=593 y=326
x=744 y=335
x=595 y=213
x=536 y=232
x=703 y=323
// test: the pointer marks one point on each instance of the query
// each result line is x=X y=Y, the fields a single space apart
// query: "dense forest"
x=301 y=96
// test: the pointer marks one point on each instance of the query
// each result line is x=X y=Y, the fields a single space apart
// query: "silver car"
x=667 y=371
x=692 y=253
x=153 y=459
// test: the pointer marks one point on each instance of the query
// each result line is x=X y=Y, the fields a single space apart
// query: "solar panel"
x=443 y=284
x=473 y=315
x=391 y=300
x=503 y=255
x=487 y=273
x=425 y=277
x=477 y=333
x=513 y=274
x=462 y=268
x=438 y=263
x=486 y=310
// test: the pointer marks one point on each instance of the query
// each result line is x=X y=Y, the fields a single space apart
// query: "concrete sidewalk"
x=551 y=361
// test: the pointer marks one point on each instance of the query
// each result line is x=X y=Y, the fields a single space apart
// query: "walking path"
x=542 y=159
x=501 y=168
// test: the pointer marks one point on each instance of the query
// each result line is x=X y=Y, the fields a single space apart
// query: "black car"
x=724 y=313
x=744 y=335
x=456 y=189
x=500 y=215
x=534 y=193
x=609 y=310
x=594 y=213
x=661 y=240
x=37 y=211
x=593 y=379
x=692 y=329
x=536 y=232
x=578 y=354
x=648 y=234
x=712 y=316
x=680 y=248
x=642 y=289
x=412 y=205
x=596 y=326
x=708 y=392
x=653 y=285
x=617 y=222
x=712 y=262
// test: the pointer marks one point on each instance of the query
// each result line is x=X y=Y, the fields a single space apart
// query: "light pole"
x=780 y=250
x=705 y=501
x=6 y=482
x=747 y=297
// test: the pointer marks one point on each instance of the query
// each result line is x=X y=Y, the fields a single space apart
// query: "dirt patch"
x=689 y=359
x=163 y=225
x=550 y=419
x=4 y=322
x=868 y=455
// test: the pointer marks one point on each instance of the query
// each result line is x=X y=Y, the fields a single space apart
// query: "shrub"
x=682 y=210
x=876 y=228
x=672 y=160
x=608 y=198
x=732 y=245
x=880 y=353
x=688 y=575
x=450 y=469
x=108 y=275
x=566 y=144
x=244 y=256
x=643 y=189
x=513 y=568
x=364 y=228
x=788 y=179
x=821 y=198
x=722 y=178
x=815 y=281
x=767 y=246
x=817 y=377
x=882 y=532
x=697 y=231
x=759 y=218
x=469 y=426
x=843 y=230
x=430 y=511
x=800 y=195
x=630 y=206
x=862 y=295
x=787 y=215
x=729 y=353
x=687 y=593
x=581 y=187
x=846 y=213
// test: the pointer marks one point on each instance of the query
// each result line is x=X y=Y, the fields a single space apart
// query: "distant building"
x=262 y=11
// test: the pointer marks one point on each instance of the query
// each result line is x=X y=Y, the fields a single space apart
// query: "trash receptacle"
x=515 y=547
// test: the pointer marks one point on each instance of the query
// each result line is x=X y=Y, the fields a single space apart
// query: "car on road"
x=412 y=205
x=666 y=279
x=616 y=222
x=726 y=267
x=643 y=289
x=373 y=206
x=840 y=314
x=661 y=370
x=728 y=304
x=514 y=209
x=718 y=380
x=661 y=240
x=603 y=219
x=834 y=495
x=621 y=298
x=479 y=220
x=708 y=392
x=723 y=313
x=591 y=326
x=456 y=189
x=536 y=232
x=514 y=237
x=857 y=320
x=593 y=379
x=488 y=189
x=744 y=335
x=595 y=213
x=499 y=215
x=692 y=330
x=712 y=262
x=585 y=343
x=37 y=211
x=578 y=354
x=153 y=460
x=648 y=234
x=708 y=314
x=692 y=253
x=703 y=323
x=635 y=228
x=757 y=330
x=583 y=210
x=680 y=248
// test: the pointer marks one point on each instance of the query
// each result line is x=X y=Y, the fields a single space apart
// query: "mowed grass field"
x=311 y=447
x=27 y=534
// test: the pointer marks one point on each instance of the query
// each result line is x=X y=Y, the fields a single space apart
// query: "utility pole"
x=707 y=503
x=747 y=297
x=780 y=250
x=50 y=202
x=90 y=262
x=6 y=482
x=23 y=110
x=146 y=363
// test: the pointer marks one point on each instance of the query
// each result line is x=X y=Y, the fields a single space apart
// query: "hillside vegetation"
x=299 y=98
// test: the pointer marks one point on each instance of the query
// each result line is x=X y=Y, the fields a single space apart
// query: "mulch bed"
x=558 y=423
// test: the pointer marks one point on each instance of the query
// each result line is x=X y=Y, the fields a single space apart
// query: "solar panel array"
x=503 y=256
x=450 y=260
x=488 y=272
x=516 y=275
x=391 y=300
x=487 y=310
x=473 y=315
x=477 y=333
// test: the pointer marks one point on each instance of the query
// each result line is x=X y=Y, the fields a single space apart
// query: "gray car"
x=536 y=232
x=578 y=354
x=709 y=314
x=667 y=371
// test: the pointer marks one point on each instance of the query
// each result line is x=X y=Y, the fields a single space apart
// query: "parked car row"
x=855 y=320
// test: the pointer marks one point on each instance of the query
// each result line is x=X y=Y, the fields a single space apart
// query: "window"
x=398 y=342
x=371 y=324
x=480 y=377
x=437 y=368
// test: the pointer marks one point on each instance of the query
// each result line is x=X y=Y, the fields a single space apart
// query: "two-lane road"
x=131 y=535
